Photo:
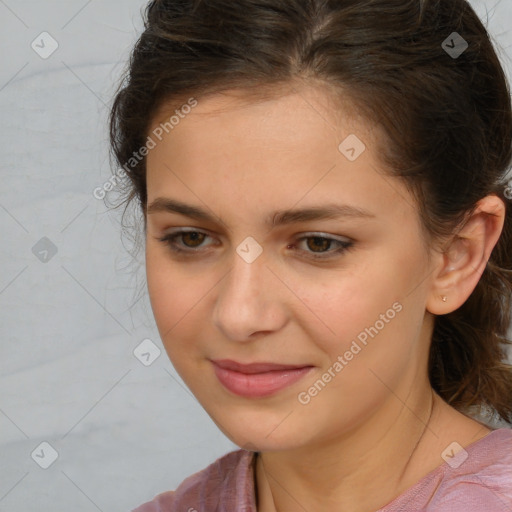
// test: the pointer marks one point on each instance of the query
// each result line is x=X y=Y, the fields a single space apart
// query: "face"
x=241 y=276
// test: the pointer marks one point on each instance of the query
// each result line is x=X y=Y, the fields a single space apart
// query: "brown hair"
x=447 y=120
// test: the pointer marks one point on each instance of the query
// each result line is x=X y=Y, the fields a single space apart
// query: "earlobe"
x=448 y=278
x=464 y=261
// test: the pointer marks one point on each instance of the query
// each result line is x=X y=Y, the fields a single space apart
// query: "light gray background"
x=123 y=431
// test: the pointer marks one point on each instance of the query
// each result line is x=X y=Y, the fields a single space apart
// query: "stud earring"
x=444 y=298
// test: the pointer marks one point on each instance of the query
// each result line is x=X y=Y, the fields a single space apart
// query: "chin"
x=253 y=436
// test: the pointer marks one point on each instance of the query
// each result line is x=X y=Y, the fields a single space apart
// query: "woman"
x=328 y=247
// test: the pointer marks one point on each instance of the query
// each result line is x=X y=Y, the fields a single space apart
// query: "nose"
x=250 y=301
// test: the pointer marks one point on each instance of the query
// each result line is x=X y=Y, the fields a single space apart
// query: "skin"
x=242 y=160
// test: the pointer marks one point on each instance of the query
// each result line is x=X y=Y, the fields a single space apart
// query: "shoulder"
x=478 y=478
x=229 y=480
x=475 y=479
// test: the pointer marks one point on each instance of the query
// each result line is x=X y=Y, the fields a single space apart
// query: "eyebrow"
x=276 y=218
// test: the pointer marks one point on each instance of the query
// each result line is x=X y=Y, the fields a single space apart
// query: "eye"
x=190 y=239
x=318 y=246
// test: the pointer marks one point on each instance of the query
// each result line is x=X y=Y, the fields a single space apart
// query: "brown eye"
x=193 y=237
x=318 y=244
x=322 y=247
x=185 y=241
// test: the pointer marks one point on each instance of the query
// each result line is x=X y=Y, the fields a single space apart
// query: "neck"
x=345 y=472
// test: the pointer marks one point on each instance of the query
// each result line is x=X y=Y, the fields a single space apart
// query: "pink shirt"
x=480 y=483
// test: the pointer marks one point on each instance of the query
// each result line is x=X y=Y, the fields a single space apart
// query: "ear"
x=461 y=265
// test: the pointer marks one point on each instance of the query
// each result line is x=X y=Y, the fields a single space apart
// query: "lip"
x=257 y=379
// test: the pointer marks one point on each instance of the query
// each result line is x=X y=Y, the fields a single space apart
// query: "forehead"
x=263 y=125
x=322 y=106
x=273 y=151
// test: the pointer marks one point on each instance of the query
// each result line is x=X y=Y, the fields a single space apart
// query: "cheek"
x=368 y=316
x=342 y=304
x=176 y=297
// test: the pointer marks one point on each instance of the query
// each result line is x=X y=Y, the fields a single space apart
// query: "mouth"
x=256 y=380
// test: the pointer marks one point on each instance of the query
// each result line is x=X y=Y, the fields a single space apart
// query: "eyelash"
x=169 y=241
